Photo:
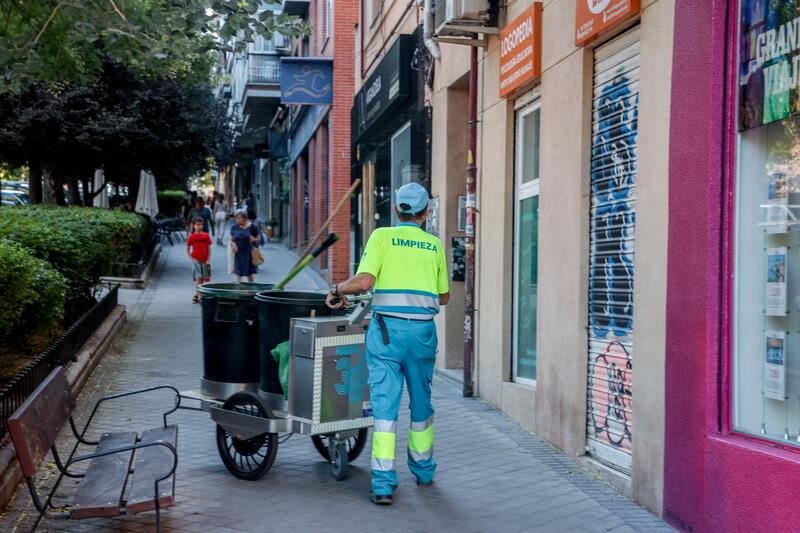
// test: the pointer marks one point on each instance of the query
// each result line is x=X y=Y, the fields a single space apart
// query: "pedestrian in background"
x=250 y=202
x=186 y=206
x=201 y=211
x=198 y=249
x=220 y=216
x=244 y=237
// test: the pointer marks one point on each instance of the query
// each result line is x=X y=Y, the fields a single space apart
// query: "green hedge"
x=32 y=299
x=169 y=202
x=82 y=243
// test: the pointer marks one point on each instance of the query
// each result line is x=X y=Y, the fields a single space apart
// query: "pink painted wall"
x=713 y=481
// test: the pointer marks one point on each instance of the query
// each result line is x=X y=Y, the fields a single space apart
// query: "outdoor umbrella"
x=146 y=201
x=101 y=199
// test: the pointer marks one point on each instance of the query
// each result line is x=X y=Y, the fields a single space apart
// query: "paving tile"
x=493 y=475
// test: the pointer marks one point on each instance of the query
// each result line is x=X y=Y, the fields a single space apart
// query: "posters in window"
x=776 y=281
x=774 y=365
x=777 y=203
x=459 y=270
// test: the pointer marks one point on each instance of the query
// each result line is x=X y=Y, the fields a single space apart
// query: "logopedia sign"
x=521 y=50
x=592 y=17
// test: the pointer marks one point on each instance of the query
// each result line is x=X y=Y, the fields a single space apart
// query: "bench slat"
x=101 y=489
x=35 y=425
x=149 y=464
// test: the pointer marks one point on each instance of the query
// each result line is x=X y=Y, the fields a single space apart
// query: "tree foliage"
x=57 y=41
x=121 y=122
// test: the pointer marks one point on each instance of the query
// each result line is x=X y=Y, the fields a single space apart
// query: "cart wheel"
x=355 y=445
x=247 y=458
x=339 y=464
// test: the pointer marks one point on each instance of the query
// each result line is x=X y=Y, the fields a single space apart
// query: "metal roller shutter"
x=611 y=270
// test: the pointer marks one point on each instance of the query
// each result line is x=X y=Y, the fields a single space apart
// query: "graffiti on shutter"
x=612 y=233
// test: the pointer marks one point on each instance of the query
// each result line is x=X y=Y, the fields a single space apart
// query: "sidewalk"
x=493 y=476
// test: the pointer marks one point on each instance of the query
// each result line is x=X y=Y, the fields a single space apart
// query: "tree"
x=57 y=41
x=121 y=122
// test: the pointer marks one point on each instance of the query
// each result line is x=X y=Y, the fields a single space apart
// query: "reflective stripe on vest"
x=407 y=304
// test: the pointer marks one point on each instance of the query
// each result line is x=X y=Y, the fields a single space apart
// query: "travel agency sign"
x=593 y=17
x=521 y=50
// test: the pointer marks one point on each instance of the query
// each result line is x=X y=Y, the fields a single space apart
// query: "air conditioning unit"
x=462 y=18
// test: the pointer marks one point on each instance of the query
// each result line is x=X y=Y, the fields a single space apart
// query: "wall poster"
x=774 y=365
x=777 y=203
x=776 y=281
x=769 y=69
x=459 y=270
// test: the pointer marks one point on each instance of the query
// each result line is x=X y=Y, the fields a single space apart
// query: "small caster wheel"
x=339 y=462
x=355 y=445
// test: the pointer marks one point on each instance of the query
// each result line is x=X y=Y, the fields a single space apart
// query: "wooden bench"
x=127 y=473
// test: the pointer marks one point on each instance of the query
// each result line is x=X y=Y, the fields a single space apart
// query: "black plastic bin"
x=275 y=311
x=230 y=338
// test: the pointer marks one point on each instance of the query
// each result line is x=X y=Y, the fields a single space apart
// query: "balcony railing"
x=264 y=69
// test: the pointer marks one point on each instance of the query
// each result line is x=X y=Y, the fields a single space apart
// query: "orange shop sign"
x=521 y=50
x=592 y=17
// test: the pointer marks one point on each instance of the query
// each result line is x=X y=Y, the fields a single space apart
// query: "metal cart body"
x=328 y=400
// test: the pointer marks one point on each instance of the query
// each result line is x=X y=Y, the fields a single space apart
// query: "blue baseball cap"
x=411 y=198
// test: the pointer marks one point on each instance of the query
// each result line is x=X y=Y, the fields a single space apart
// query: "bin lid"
x=233 y=291
x=292 y=297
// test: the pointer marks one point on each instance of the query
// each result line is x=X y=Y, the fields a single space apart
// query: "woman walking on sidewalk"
x=220 y=216
x=244 y=237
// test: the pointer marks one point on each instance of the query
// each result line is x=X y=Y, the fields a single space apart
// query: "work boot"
x=380 y=499
x=424 y=484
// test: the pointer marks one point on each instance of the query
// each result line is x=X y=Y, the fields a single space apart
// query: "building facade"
x=571 y=221
x=313 y=140
x=637 y=170
x=251 y=83
x=732 y=386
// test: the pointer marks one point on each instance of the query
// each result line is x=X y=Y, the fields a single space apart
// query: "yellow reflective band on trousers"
x=420 y=443
x=383 y=445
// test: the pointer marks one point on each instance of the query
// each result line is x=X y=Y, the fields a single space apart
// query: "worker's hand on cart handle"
x=336 y=301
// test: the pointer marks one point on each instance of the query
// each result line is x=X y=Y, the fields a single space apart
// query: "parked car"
x=12 y=197
x=22 y=186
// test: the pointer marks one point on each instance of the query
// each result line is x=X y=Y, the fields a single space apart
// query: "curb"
x=77 y=373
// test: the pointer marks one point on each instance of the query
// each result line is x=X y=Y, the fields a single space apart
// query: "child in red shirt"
x=198 y=249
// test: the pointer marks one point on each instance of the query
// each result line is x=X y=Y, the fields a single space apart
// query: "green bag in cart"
x=282 y=354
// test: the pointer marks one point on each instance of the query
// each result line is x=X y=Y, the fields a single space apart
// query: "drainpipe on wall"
x=427 y=31
x=472 y=174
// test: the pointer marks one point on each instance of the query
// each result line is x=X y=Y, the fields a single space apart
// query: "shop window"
x=402 y=169
x=766 y=343
x=526 y=237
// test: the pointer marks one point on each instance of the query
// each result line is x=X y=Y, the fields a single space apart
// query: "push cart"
x=328 y=400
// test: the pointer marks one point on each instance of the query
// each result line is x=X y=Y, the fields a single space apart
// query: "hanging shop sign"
x=593 y=17
x=306 y=80
x=769 y=72
x=521 y=50
x=385 y=89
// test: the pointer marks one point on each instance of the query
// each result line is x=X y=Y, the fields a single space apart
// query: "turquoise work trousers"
x=410 y=355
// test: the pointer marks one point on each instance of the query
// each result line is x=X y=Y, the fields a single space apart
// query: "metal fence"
x=61 y=351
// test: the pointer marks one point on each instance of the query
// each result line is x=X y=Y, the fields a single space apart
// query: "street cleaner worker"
x=406 y=266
